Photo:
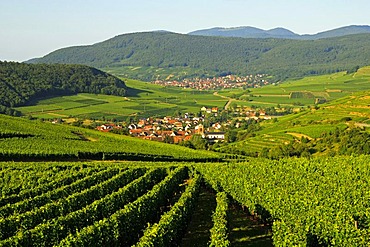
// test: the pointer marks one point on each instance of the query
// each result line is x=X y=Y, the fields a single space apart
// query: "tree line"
x=21 y=83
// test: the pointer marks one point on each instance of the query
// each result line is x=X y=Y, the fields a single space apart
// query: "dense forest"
x=220 y=55
x=20 y=82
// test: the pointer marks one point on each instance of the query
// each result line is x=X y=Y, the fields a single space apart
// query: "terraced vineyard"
x=107 y=193
x=254 y=145
x=310 y=123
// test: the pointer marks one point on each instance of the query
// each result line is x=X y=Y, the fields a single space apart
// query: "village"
x=216 y=83
x=182 y=128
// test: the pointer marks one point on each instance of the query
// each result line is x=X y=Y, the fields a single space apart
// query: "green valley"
x=343 y=103
x=282 y=162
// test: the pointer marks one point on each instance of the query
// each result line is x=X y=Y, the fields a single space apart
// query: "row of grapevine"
x=311 y=202
x=172 y=224
x=123 y=227
x=42 y=156
x=68 y=178
x=16 y=177
x=61 y=192
x=51 y=232
x=14 y=134
x=10 y=225
x=219 y=231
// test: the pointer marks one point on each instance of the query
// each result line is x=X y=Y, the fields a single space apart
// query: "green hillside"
x=311 y=123
x=305 y=91
x=21 y=83
x=138 y=55
x=67 y=186
x=22 y=139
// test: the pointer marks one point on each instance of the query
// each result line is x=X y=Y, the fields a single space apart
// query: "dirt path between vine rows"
x=246 y=231
x=198 y=232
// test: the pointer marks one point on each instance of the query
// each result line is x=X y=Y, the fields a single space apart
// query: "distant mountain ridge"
x=280 y=33
x=205 y=56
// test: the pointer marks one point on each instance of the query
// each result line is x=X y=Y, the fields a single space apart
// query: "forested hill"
x=20 y=82
x=218 y=55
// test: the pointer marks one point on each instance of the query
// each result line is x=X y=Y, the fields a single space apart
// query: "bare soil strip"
x=246 y=231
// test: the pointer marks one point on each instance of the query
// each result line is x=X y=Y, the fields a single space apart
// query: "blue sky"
x=33 y=28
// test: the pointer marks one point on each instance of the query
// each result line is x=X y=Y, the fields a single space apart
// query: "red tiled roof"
x=136 y=130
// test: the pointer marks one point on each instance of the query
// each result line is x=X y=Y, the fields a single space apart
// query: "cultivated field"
x=291 y=202
x=311 y=123
x=143 y=100
x=328 y=87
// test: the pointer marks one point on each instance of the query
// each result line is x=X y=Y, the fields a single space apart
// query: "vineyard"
x=96 y=204
x=25 y=140
x=318 y=202
x=291 y=202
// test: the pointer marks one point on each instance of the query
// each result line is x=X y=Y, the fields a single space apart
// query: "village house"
x=215 y=136
x=148 y=127
x=132 y=126
x=216 y=126
x=141 y=123
x=108 y=127
x=178 y=125
x=136 y=132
